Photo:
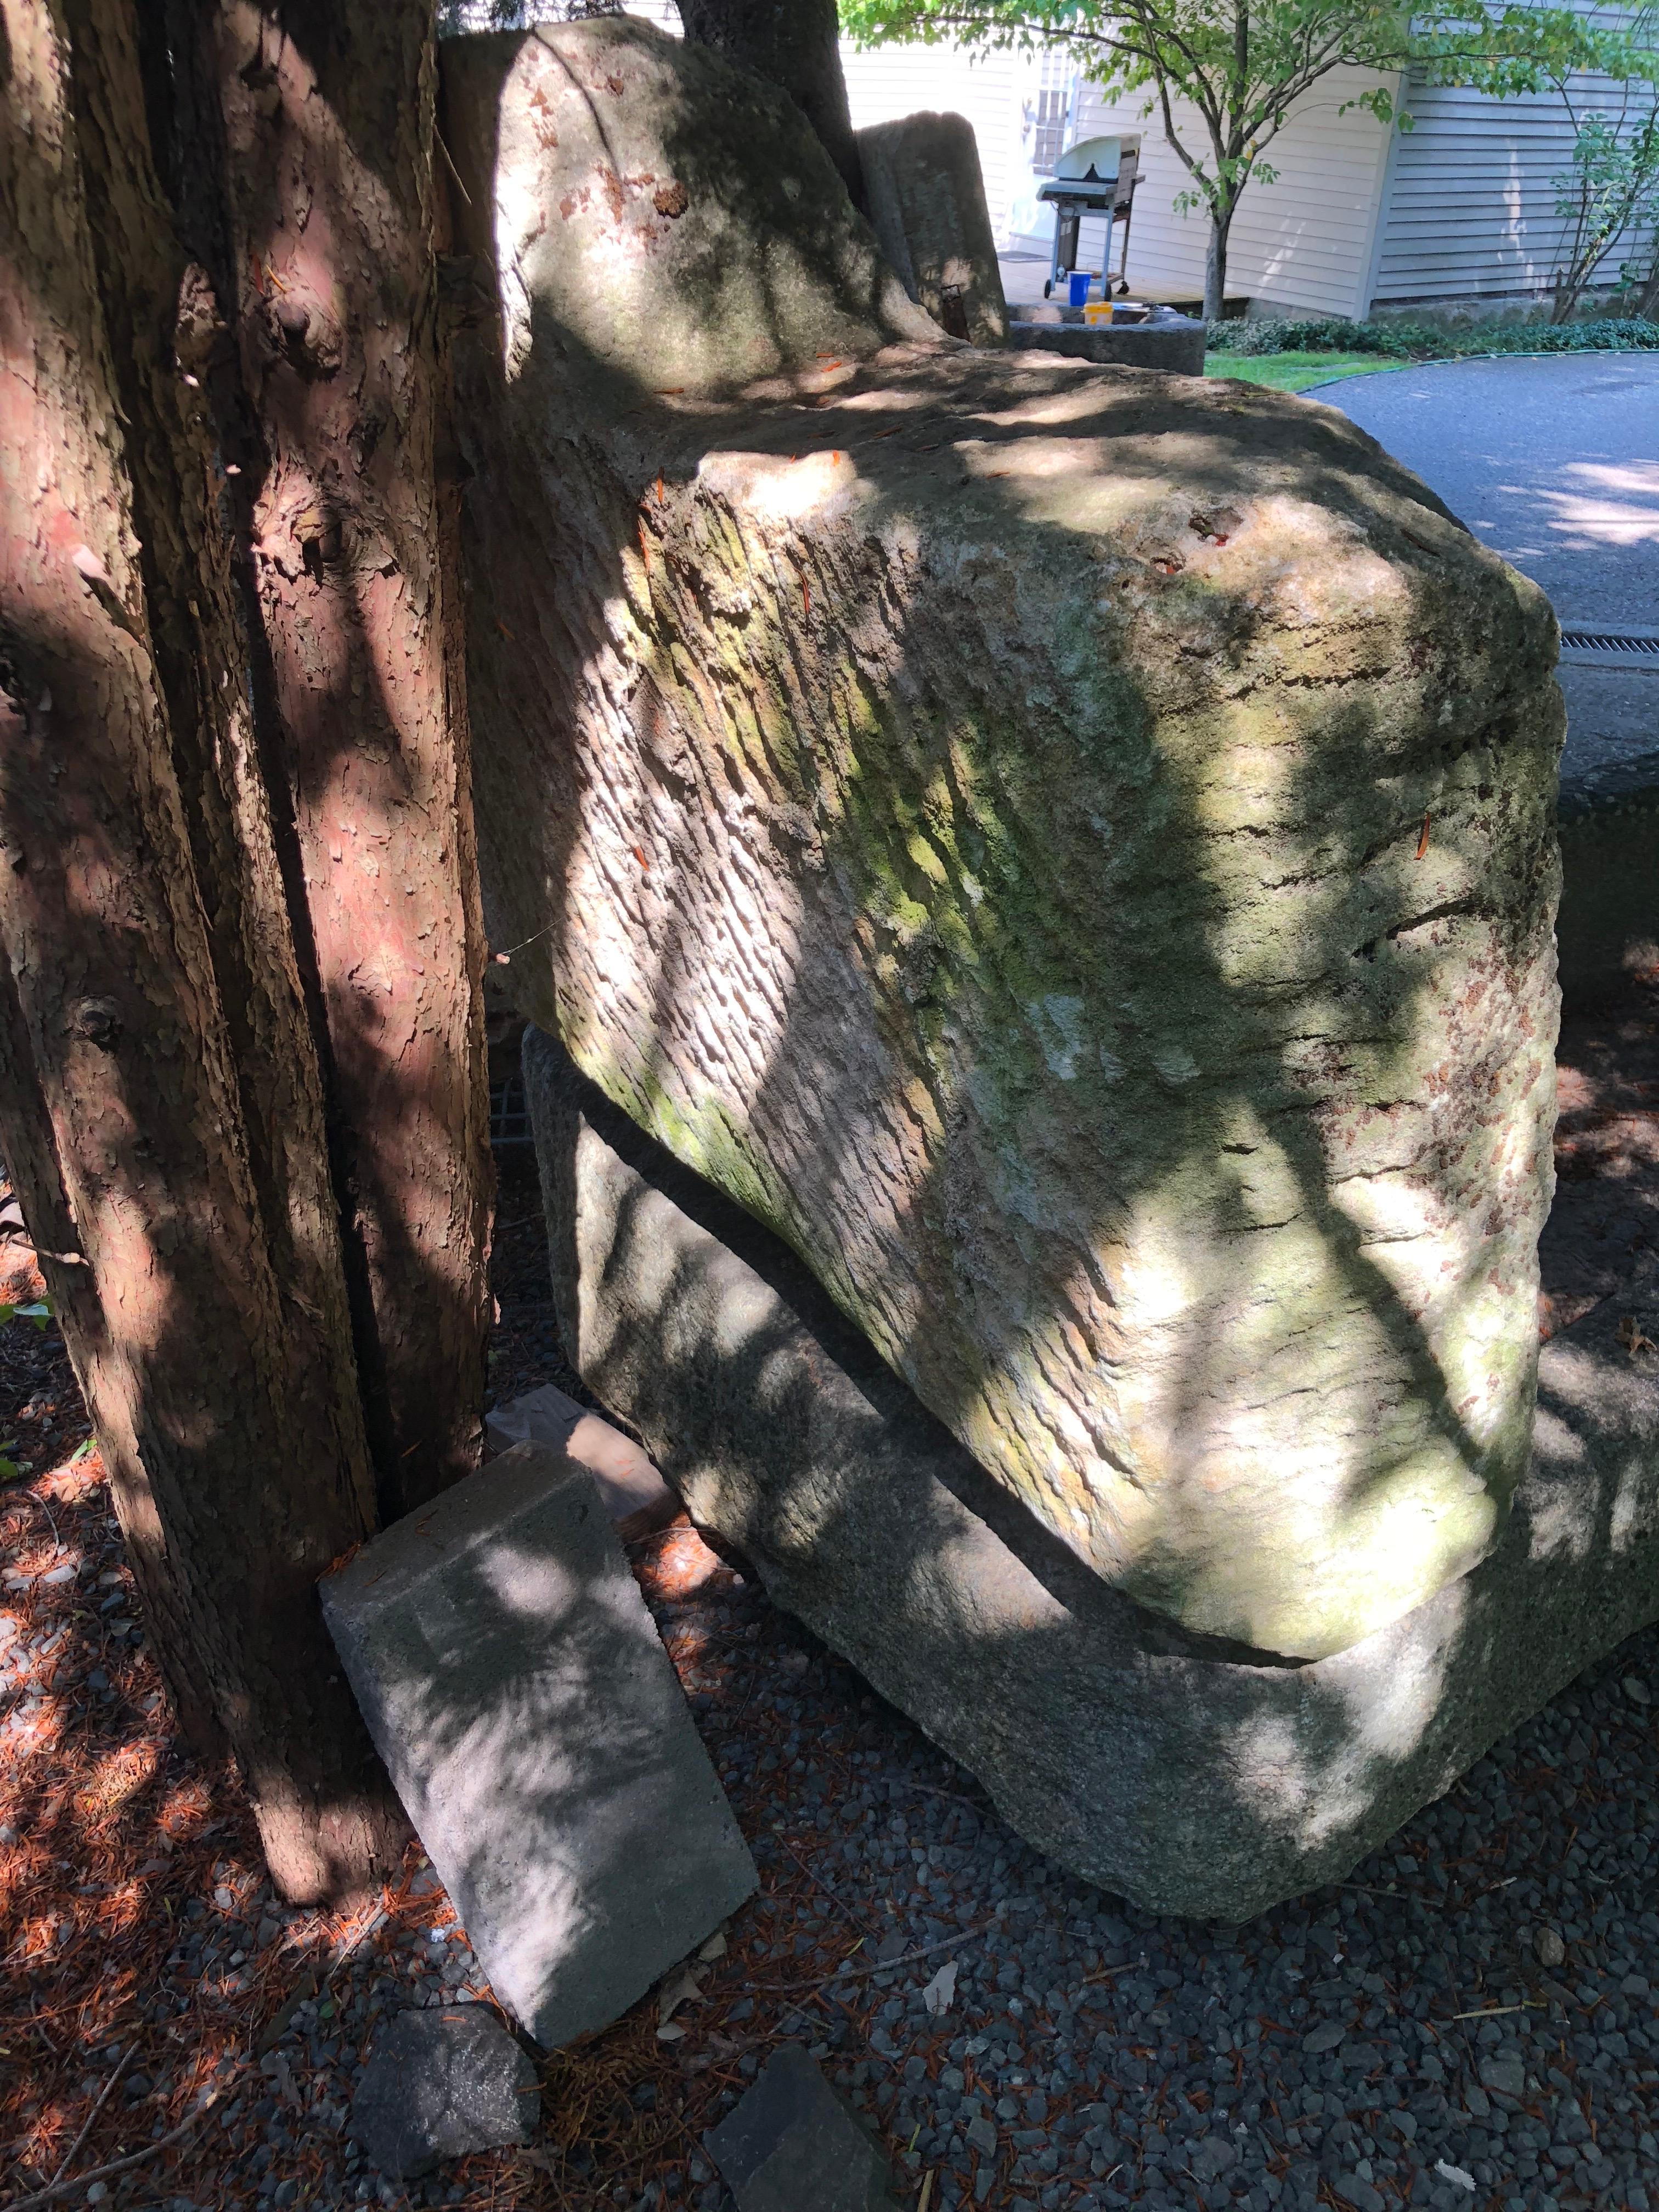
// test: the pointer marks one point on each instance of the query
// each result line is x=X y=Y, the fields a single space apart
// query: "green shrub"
x=1418 y=341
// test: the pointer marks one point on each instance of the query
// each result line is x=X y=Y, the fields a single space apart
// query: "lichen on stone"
x=1112 y=949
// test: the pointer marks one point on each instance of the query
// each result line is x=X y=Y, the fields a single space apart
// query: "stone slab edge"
x=1189 y=1777
x=1178 y=349
x=598 y=1977
x=1608 y=922
x=637 y=1499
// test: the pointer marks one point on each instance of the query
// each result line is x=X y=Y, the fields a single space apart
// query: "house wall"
x=1306 y=243
x=1471 y=199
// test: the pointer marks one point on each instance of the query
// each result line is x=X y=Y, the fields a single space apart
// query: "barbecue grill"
x=1096 y=176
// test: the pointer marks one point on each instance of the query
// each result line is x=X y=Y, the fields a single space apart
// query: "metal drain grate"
x=1643 y=641
x=509 y=1115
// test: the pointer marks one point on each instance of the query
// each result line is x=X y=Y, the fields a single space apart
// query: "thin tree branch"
x=78 y=2183
x=69 y=2157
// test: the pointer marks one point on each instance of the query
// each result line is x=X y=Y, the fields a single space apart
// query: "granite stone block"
x=926 y=201
x=1188 y=1774
x=634 y=1494
x=441 y=2083
x=1173 y=342
x=1070 y=849
x=1608 y=811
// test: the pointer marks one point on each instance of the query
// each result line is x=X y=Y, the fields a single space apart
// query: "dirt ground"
x=145 y=1960
x=1606 y=1154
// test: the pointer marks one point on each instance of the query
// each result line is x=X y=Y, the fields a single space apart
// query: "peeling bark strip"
x=329 y=129
x=224 y=1415
x=165 y=326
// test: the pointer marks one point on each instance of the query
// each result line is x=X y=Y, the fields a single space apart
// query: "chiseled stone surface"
x=1070 y=849
x=1184 y=1775
x=441 y=2082
x=514 y=1684
x=790 y=2145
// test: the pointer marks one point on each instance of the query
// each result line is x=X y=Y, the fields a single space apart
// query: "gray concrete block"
x=1172 y=343
x=1189 y=1775
x=790 y=2145
x=634 y=1494
x=926 y=200
x=441 y=2083
x=514 y=1684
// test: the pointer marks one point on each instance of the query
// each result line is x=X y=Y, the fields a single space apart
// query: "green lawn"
x=1295 y=372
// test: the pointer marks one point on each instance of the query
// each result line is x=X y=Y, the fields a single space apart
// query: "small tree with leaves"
x=1240 y=66
x=1613 y=185
x=1612 y=190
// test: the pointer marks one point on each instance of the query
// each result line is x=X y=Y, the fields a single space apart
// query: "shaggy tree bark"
x=159 y=1093
x=328 y=116
x=796 y=43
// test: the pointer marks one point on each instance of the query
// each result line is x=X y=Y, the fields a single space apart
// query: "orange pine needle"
x=1423 y=841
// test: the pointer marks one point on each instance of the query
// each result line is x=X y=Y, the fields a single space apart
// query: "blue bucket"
x=1081 y=281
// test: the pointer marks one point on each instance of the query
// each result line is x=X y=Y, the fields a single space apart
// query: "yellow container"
x=1097 y=311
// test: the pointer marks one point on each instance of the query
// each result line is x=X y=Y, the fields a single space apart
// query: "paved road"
x=1555 y=463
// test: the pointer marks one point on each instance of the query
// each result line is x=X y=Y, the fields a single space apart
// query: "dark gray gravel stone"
x=438 y=2083
x=791 y=2145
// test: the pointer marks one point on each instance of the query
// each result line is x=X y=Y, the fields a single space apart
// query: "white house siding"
x=1304 y=244
x=1471 y=202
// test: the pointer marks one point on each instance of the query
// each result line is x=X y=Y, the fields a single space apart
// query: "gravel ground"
x=1468 y=2022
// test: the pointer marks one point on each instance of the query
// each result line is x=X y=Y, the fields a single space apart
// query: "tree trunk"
x=796 y=43
x=160 y=1102
x=1215 y=263
x=328 y=118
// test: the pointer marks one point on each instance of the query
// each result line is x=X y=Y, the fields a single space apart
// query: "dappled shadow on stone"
x=1190 y=1777
x=1071 y=850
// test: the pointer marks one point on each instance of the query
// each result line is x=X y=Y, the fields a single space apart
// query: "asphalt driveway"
x=1555 y=463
